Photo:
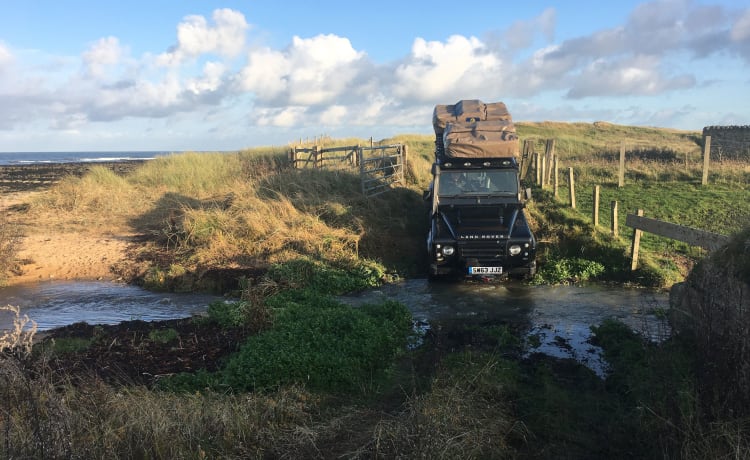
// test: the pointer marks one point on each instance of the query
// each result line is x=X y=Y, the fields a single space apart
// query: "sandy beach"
x=47 y=253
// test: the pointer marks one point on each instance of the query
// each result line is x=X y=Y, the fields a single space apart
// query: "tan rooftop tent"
x=473 y=129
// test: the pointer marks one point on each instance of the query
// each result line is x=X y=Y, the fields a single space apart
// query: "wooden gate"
x=317 y=157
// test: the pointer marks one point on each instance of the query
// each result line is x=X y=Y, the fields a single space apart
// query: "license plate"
x=485 y=270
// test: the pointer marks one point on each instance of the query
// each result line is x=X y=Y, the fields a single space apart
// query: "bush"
x=569 y=270
x=305 y=273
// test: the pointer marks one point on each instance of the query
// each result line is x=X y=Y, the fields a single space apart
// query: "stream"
x=59 y=303
x=557 y=318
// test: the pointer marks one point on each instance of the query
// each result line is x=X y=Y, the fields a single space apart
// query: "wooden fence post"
x=549 y=154
x=537 y=168
x=613 y=222
x=636 y=244
x=621 y=173
x=572 y=184
x=596 y=206
x=543 y=161
x=556 y=176
x=526 y=158
x=706 y=156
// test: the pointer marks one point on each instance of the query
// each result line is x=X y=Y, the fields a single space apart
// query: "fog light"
x=514 y=250
x=448 y=250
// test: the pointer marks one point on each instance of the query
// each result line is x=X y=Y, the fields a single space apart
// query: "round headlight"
x=514 y=250
x=448 y=250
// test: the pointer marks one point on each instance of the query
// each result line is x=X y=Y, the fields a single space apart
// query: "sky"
x=174 y=75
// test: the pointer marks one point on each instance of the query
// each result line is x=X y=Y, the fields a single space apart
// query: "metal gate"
x=381 y=168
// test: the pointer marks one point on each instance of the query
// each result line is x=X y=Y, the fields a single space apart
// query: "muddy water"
x=556 y=319
x=59 y=303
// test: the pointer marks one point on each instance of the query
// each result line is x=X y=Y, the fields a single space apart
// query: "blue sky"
x=202 y=75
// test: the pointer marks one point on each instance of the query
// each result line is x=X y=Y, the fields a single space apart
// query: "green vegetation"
x=319 y=379
x=163 y=335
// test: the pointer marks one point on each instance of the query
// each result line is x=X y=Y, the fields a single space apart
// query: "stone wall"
x=728 y=142
x=713 y=307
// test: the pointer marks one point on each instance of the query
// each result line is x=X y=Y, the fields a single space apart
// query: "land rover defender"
x=476 y=202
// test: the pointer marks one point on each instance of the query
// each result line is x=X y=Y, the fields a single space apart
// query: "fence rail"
x=317 y=157
x=693 y=236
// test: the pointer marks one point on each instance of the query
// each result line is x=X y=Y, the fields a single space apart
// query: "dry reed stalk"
x=19 y=338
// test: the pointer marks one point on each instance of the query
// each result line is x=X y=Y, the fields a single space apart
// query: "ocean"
x=27 y=158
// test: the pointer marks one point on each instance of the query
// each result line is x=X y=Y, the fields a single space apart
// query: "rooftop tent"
x=473 y=129
x=481 y=139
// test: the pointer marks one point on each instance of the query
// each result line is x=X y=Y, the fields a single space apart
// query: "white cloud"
x=637 y=76
x=196 y=37
x=280 y=117
x=5 y=56
x=311 y=71
x=521 y=33
x=741 y=29
x=104 y=53
x=334 y=115
x=266 y=74
x=437 y=70
x=211 y=80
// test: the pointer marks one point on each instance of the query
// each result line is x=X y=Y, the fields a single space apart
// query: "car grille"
x=486 y=253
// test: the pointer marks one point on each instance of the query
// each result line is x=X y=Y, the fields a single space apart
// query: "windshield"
x=468 y=182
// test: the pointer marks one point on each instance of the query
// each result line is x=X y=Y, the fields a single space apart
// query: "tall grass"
x=44 y=418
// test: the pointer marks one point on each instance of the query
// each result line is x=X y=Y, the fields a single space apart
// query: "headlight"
x=514 y=250
x=448 y=250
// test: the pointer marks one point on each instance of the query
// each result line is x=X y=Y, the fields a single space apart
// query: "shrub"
x=305 y=273
x=256 y=316
x=569 y=270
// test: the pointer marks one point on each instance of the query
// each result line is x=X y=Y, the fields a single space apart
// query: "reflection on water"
x=59 y=303
x=557 y=319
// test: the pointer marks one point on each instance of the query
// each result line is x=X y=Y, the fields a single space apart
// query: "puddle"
x=59 y=303
x=557 y=318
